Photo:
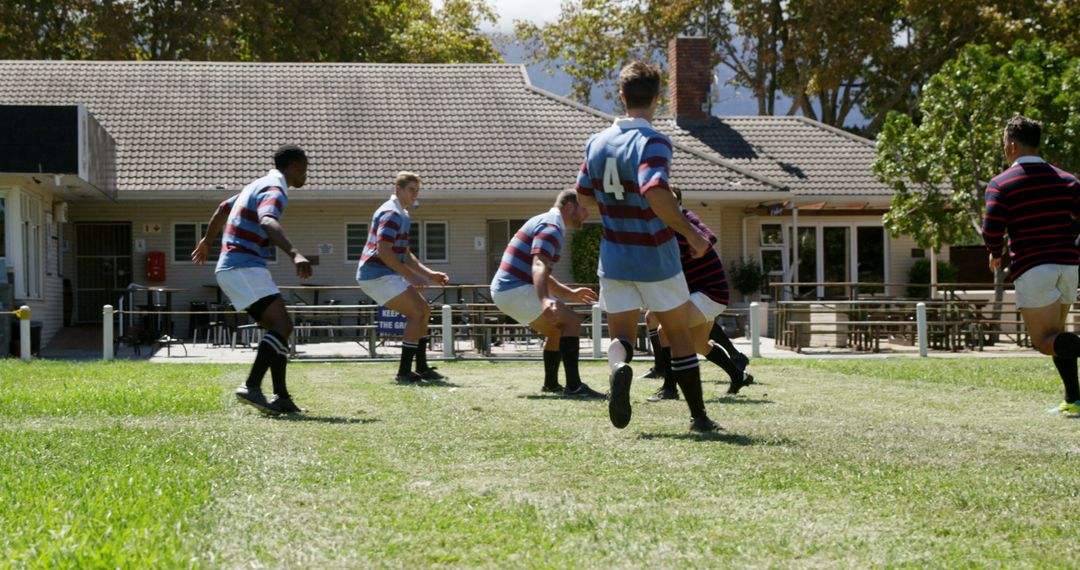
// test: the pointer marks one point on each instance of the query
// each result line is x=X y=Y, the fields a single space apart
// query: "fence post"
x=920 y=315
x=447 y=332
x=597 y=328
x=107 y=332
x=24 y=333
x=755 y=332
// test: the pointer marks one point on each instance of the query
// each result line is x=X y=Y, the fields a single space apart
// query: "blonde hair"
x=404 y=177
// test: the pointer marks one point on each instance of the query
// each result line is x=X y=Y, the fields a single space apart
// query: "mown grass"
x=894 y=463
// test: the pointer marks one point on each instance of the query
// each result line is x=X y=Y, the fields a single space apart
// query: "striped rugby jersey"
x=1035 y=204
x=706 y=273
x=622 y=163
x=390 y=223
x=244 y=243
x=543 y=233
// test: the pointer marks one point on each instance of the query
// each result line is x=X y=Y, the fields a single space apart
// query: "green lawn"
x=870 y=463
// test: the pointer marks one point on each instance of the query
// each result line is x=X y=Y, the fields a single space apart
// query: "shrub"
x=585 y=253
x=920 y=274
x=747 y=276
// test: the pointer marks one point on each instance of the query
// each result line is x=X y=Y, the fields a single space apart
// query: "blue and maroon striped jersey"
x=244 y=243
x=543 y=233
x=706 y=273
x=390 y=223
x=1035 y=204
x=622 y=163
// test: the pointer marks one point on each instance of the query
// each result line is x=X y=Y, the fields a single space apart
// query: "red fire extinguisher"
x=155 y=266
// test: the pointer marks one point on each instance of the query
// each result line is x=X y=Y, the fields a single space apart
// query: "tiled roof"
x=811 y=158
x=200 y=125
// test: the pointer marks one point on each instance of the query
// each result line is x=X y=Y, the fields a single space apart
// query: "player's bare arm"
x=217 y=221
x=425 y=272
x=278 y=237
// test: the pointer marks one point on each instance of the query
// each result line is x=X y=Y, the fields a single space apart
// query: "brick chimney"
x=689 y=78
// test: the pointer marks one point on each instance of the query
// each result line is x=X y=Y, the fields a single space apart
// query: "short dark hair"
x=287 y=154
x=1024 y=131
x=639 y=82
x=566 y=197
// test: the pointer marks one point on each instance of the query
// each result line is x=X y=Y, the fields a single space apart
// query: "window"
x=430 y=241
x=3 y=227
x=32 y=237
x=186 y=235
x=356 y=235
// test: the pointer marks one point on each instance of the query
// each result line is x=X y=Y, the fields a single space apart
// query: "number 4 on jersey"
x=612 y=184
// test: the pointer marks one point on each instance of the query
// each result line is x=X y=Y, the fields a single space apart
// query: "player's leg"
x=669 y=390
x=417 y=311
x=622 y=327
x=718 y=336
x=653 y=326
x=274 y=318
x=552 y=356
x=1046 y=323
x=569 y=345
x=703 y=312
x=253 y=289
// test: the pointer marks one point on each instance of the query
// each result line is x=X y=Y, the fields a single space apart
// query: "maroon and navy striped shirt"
x=706 y=273
x=1034 y=203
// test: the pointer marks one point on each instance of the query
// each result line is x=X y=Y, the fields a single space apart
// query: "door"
x=102 y=266
x=498 y=236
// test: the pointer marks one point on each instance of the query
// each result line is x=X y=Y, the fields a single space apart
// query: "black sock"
x=721 y=338
x=720 y=358
x=269 y=347
x=663 y=360
x=687 y=374
x=654 y=342
x=669 y=382
x=1066 y=367
x=408 y=352
x=421 y=353
x=1067 y=344
x=278 y=363
x=570 y=349
x=551 y=367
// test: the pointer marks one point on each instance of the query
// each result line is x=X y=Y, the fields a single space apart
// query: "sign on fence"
x=390 y=321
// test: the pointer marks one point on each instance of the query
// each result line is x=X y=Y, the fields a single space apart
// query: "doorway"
x=102 y=266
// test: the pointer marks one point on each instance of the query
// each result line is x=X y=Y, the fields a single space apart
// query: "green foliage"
x=585 y=253
x=829 y=57
x=408 y=31
x=747 y=276
x=920 y=273
x=940 y=165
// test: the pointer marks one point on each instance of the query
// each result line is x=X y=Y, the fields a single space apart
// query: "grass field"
x=895 y=463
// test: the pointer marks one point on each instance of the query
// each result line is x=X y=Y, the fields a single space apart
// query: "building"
x=157 y=145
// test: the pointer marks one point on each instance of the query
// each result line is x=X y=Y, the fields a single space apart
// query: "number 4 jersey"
x=622 y=163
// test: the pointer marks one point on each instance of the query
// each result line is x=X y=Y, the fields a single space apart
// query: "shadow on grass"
x=430 y=384
x=325 y=419
x=559 y=397
x=722 y=437
x=729 y=399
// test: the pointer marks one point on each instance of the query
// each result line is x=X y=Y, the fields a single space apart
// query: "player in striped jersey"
x=709 y=295
x=251 y=220
x=1037 y=204
x=523 y=285
x=625 y=173
x=392 y=276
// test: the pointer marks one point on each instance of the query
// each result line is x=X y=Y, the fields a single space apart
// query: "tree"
x=829 y=57
x=247 y=30
x=939 y=166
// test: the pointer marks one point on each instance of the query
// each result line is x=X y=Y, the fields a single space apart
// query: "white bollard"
x=920 y=315
x=24 y=333
x=107 y=332
x=597 y=328
x=755 y=333
x=447 y=332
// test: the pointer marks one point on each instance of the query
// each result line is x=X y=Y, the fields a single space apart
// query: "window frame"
x=424 y=241
x=367 y=229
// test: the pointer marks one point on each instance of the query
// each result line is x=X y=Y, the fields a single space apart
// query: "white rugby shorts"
x=619 y=296
x=519 y=303
x=245 y=285
x=385 y=288
x=1044 y=285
